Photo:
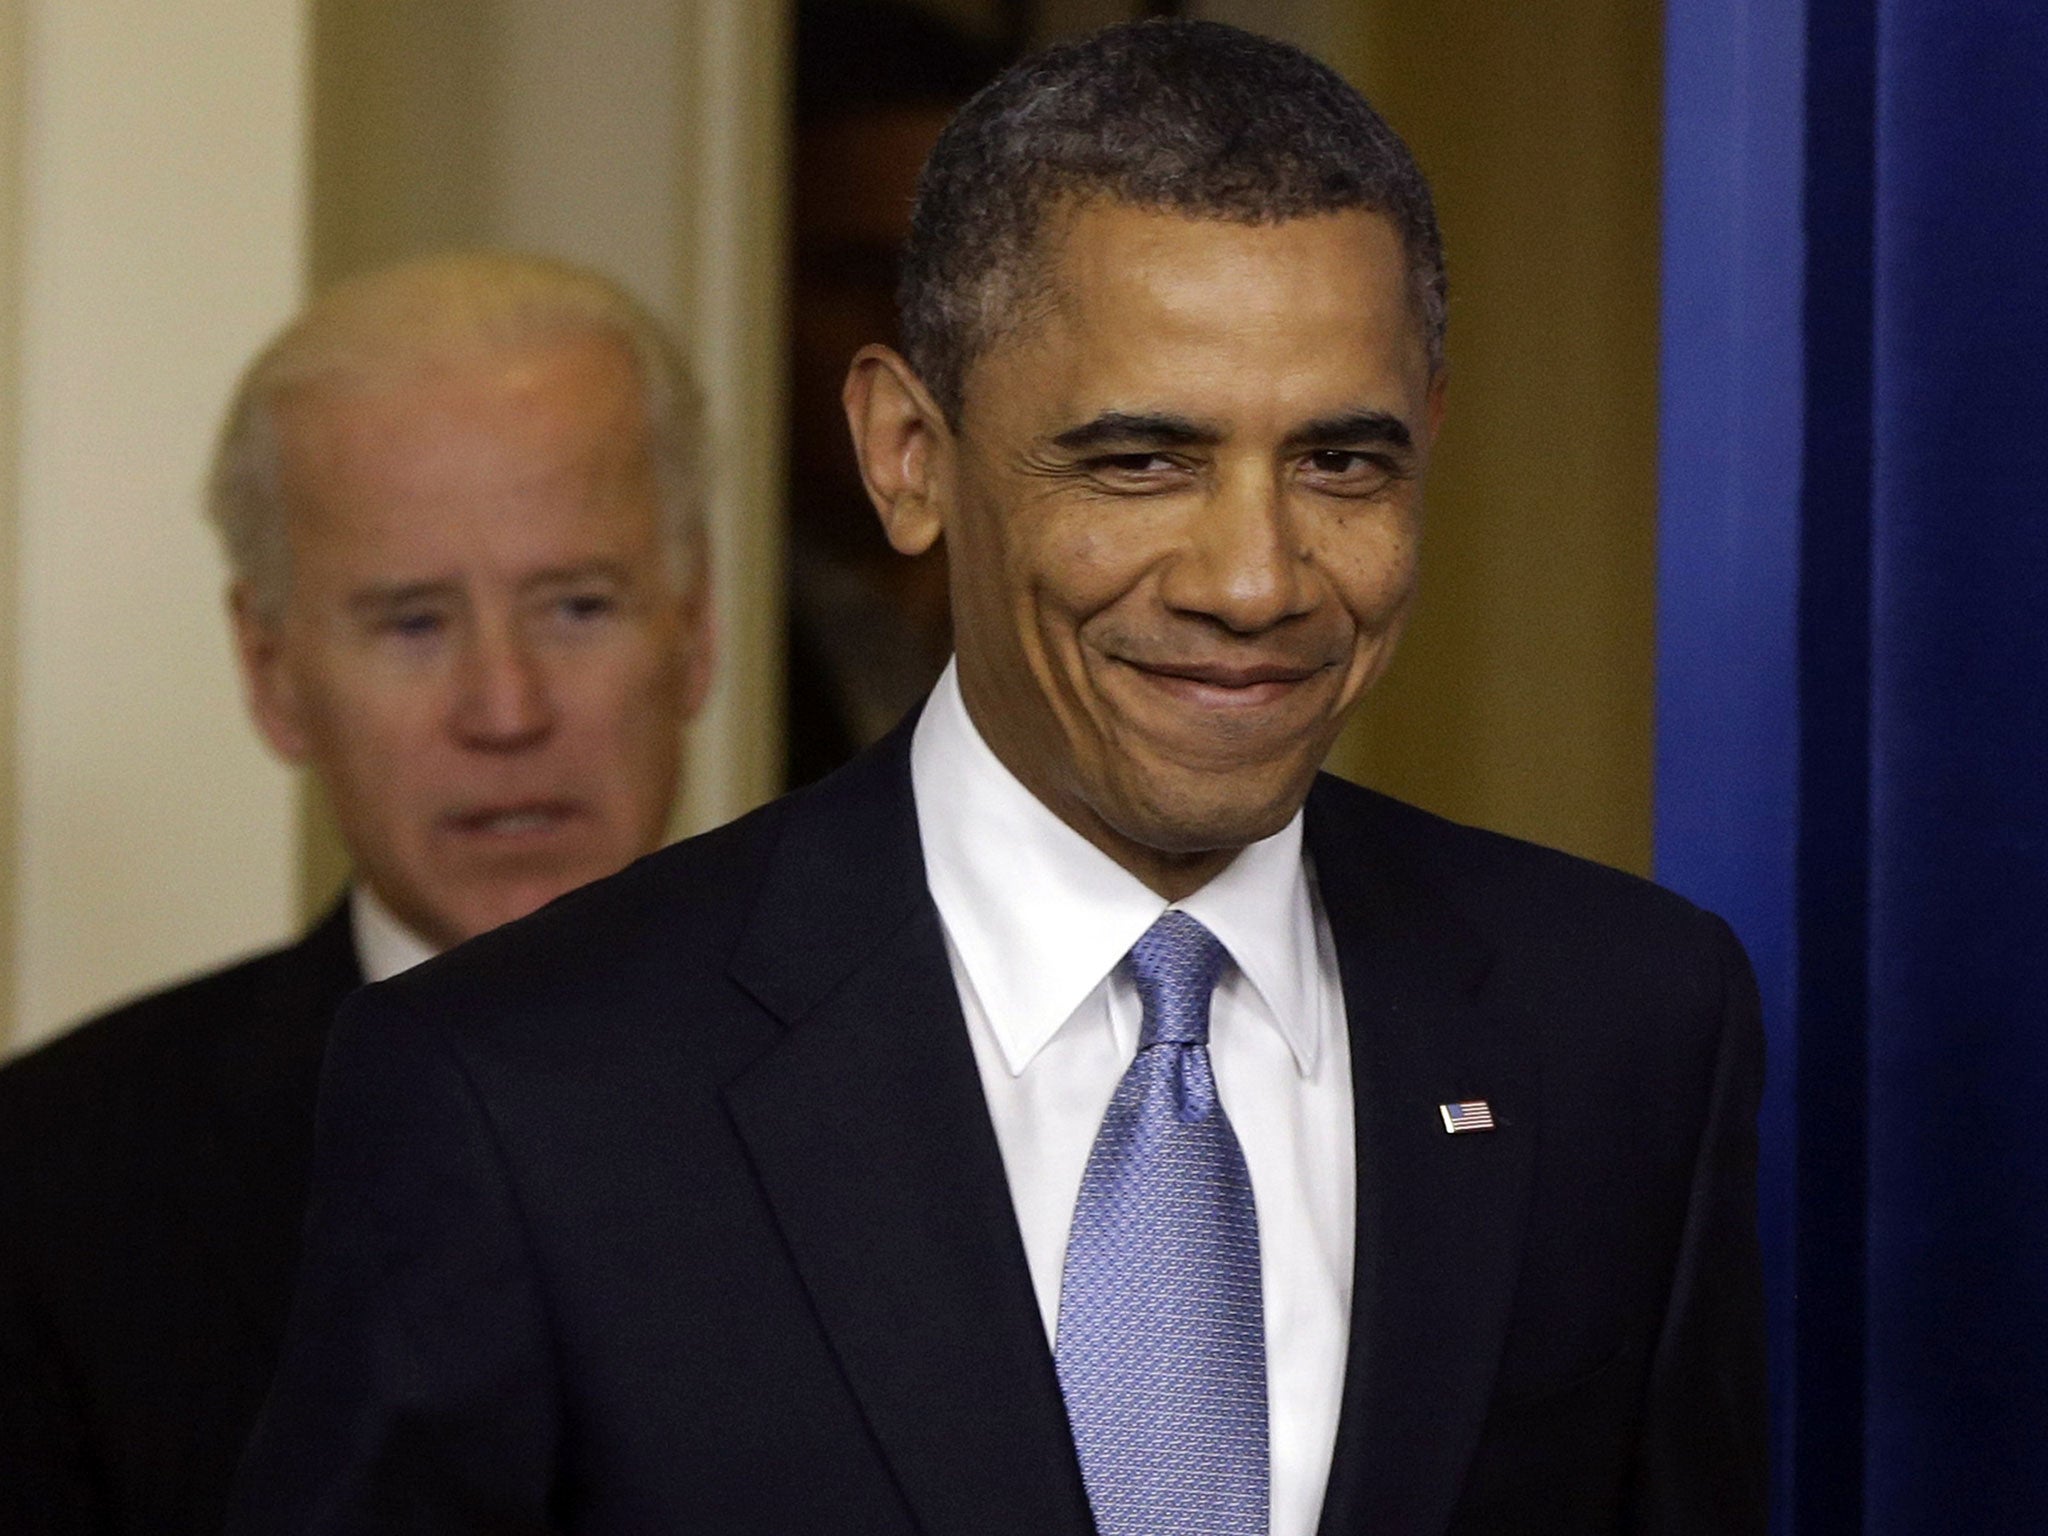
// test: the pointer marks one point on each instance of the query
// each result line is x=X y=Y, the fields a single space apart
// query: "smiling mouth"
x=1227 y=684
x=1230 y=674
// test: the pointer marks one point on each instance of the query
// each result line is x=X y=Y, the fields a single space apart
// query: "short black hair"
x=1190 y=117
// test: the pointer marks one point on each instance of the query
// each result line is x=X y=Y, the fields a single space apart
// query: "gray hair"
x=1190 y=117
x=384 y=325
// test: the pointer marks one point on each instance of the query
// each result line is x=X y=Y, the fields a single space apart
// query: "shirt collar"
x=384 y=945
x=1038 y=915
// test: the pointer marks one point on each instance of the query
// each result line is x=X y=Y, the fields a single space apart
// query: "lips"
x=1226 y=685
x=514 y=821
x=1230 y=675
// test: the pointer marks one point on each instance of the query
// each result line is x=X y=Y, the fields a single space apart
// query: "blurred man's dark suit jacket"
x=153 y=1169
x=677 y=1208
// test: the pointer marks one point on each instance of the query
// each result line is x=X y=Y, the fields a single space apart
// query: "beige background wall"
x=156 y=212
x=13 y=84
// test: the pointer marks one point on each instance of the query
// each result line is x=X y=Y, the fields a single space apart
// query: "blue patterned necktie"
x=1162 y=1346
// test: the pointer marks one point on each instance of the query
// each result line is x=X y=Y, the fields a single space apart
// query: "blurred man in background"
x=459 y=499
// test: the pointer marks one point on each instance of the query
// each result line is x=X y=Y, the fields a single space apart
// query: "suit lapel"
x=869 y=1132
x=1440 y=1217
x=253 y=1096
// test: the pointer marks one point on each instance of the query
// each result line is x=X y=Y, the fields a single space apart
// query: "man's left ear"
x=1433 y=400
x=904 y=446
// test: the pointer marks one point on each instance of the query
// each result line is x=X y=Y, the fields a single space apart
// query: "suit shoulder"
x=94 y=1065
x=123 y=1099
x=1505 y=881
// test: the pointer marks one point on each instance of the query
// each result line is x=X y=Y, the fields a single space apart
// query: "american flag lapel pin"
x=1466 y=1115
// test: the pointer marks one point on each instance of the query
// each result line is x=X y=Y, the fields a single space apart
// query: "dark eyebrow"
x=1354 y=429
x=1133 y=428
x=383 y=597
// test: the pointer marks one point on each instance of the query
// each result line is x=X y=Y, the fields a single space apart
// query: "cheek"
x=375 y=747
x=1089 y=568
x=1373 y=571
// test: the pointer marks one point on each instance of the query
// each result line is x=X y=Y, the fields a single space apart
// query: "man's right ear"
x=904 y=447
x=268 y=682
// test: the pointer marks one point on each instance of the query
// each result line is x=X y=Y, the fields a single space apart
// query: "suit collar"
x=867 y=1129
x=1440 y=1217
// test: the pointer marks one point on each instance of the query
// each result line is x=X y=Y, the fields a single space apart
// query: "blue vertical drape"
x=1852 y=757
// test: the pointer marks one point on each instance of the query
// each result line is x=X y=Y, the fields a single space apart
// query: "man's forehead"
x=1141 y=310
x=1098 y=245
x=408 y=476
x=452 y=357
x=506 y=402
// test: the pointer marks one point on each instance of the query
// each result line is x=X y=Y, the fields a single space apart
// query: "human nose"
x=1242 y=564
x=503 y=701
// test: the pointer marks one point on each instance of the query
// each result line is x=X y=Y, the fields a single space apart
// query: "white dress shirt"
x=384 y=945
x=1037 y=921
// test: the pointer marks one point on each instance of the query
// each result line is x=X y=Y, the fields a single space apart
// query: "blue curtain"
x=1853 y=709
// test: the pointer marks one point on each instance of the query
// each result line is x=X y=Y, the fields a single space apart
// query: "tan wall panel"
x=13 y=109
x=729 y=288
x=161 y=237
x=1055 y=19
x=1523 y=696
x=405 y=100
x=1326 y=28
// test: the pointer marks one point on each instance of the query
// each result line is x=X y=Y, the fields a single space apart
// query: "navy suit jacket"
x=677 y=1208
x=153 y=1168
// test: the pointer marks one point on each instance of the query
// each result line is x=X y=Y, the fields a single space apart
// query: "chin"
x=1197 y=813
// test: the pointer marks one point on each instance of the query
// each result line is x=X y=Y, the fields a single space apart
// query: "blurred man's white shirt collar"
x=384 y=945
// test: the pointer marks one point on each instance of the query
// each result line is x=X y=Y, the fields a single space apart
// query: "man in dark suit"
x=458 y=498
x=1074 y=1114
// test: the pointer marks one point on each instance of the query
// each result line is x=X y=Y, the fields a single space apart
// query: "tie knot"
x=1176 y=966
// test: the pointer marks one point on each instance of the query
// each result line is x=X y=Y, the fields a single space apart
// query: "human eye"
x=1351 y=471
x=412 y=624
x=1137 y=472
x=582 y=609
x=586 y=607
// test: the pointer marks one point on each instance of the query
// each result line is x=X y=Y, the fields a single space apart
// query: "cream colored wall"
x=157 y=209
x=640 y=137
x=13 y=112
x=729 y=291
